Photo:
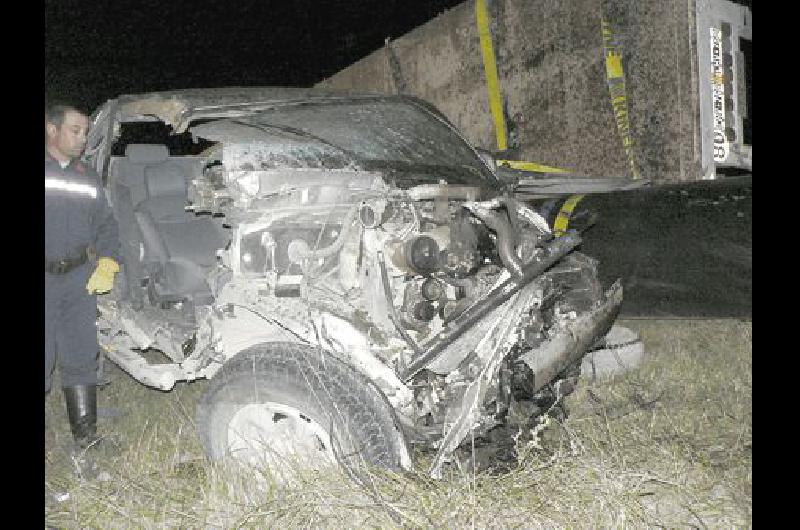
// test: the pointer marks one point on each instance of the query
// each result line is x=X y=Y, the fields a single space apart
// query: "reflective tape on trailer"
x=615 y=78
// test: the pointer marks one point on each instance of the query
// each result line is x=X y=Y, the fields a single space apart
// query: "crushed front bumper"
x=566 y=346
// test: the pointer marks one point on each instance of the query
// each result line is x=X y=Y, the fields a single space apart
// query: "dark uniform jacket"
x=76 y=212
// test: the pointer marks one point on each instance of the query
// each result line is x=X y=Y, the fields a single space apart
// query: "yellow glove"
x=102 y=280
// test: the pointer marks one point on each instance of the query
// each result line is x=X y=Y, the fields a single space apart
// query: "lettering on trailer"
x=721 y=146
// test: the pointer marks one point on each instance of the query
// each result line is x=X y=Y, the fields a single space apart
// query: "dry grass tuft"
x=668 y=445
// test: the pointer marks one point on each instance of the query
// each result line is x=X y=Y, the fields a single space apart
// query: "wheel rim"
x=278 y=437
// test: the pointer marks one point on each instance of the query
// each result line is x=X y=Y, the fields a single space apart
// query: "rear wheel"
x=286 y=406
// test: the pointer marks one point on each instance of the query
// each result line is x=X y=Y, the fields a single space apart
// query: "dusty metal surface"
x=552 y=71
x=711 y=222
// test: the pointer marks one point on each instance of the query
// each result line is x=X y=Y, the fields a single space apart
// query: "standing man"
x=78 y=225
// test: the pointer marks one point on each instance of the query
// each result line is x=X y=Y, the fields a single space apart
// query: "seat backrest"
x=165 y=193
x=130 y=168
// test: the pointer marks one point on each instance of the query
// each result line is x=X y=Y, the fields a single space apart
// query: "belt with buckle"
x=63 y=266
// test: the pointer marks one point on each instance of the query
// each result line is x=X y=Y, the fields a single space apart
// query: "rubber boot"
x=82 y=412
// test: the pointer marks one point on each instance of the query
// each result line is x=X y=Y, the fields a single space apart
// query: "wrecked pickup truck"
x=348 y=272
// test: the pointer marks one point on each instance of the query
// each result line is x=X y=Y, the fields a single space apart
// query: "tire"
x=286 y=403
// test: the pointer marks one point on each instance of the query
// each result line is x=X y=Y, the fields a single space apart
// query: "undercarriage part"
x=373 y=213
x=424 y=310
x=496 y=450
x=418 y=255
x=462 y=257
x=577 y=337
x=432 y=289
x=568 y=344
x=452 y=308
x=449 y=191
x=525 y=394
x=416 y=312
x=160 y=376
x=492 y=339
x=554 y=251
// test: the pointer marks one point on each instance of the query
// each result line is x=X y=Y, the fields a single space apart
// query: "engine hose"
x=393 y=316
x=299 y=254
x=506 y=242
x=530 y=216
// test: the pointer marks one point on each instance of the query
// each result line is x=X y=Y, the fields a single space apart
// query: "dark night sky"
x=97 y=50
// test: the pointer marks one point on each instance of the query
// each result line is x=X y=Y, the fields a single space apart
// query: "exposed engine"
x=409 y=270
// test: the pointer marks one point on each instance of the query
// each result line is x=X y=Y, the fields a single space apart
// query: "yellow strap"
x=529 y=166
x=490 y=69
x=615 y=78
x=561 y=223
x=495 y=98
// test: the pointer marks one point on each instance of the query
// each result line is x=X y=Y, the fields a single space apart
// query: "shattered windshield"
x=398 y=138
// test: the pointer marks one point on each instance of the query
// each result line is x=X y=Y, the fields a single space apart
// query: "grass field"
x=668 y=445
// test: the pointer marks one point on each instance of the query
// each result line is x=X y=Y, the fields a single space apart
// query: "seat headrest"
x=146 y=153
x=163 y=180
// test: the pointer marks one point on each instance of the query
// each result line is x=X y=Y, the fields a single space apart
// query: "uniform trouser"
x=70 y=334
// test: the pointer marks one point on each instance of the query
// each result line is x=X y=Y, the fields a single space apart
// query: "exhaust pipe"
x=569 y=345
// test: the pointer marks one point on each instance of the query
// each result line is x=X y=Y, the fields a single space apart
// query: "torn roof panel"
x=175 y=105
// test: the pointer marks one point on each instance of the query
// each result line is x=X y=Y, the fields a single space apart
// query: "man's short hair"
x=54 y=112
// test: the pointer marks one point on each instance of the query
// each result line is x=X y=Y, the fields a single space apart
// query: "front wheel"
x=283 y=405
